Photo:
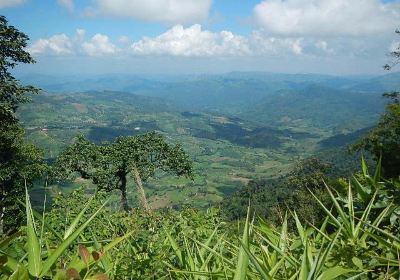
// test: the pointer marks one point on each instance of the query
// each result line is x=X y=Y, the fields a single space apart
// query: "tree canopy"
x=108 y=165
x=383 y=141
x=20 y=163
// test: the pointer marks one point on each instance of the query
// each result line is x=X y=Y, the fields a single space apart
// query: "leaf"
x=8 y=263
x=361 y=190
x=96 y=256
x=34 y=254
x=6 y=240
x=378 y=170
x=99 y=276
x=73 y=273
x=51 y=260
x=299 y=226
x=364 y=167
x=19 y=274
x=304 y=264
x=264 y=274
x=174 y=246
x=77 y=219
x=243 y=260
x=357 y=262
x=84 y=253
x=334 y=273
x=39 y=217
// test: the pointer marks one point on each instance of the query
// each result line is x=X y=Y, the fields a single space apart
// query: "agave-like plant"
x=350 y=243
x=39 y=260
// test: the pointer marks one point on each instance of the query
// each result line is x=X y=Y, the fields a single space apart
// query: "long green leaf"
x=67 y=242
x=364 y=167
x=334 y=273
x=378 y=170
x=19 y=274
x=34 y=253
x=39 y=217
x=263 y=272
x=175 y=246
x=76 y=221
x=243 y=260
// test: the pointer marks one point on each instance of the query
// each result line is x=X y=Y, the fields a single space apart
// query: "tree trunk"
x=2 y=209
x=124 y=199
x=140 y=189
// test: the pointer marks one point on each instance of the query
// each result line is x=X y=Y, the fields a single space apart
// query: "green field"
x=227 y=151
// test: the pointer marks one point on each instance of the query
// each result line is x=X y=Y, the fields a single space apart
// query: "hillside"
x=231 y=138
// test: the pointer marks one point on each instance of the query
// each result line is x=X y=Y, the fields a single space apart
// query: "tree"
x=395 y=55
x=20 y=163
x=109 y=165
x=272 y=198
x=383 y=141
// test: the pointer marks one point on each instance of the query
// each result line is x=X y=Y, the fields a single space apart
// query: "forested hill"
x=279 y=98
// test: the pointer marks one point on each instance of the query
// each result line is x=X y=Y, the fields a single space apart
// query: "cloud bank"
x=62 y=45
x=192 y=41
x=327 y=17
x=285 y=28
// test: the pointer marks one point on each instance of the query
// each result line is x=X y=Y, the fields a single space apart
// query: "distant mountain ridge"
x=127 y=82
x=327 y=102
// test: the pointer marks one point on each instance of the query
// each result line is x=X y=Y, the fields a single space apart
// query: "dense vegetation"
x=20 y=163
x=294 y=220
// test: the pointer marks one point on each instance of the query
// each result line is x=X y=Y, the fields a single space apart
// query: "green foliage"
x=20 y=163
x=384 y=140
x=352 y=242
x=395 y=54
x=42 y=258
x=146 y=251
x=12 y=52
x=358 y=237
x=108 y=165
x=270 y=199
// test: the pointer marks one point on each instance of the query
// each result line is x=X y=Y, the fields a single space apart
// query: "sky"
x=341 y=37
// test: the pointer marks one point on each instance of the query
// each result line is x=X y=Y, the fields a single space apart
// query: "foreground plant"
x=357 y=239
x=37 y=259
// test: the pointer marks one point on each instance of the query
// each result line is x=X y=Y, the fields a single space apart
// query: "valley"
x=237 y=128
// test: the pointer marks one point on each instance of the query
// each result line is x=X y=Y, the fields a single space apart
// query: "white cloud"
x=196 y=42
x=327 y=17
x=99 y=45
x=171 y=11
x=67 y=4
x=124 y=40
x=80 y=35
x=263 y=45
x=10 y=3
x=62 y=45
x=59 y=44
x=296 y=47
x=192 y=41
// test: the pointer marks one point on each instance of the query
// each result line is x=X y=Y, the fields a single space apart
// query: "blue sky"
x=206 y=36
